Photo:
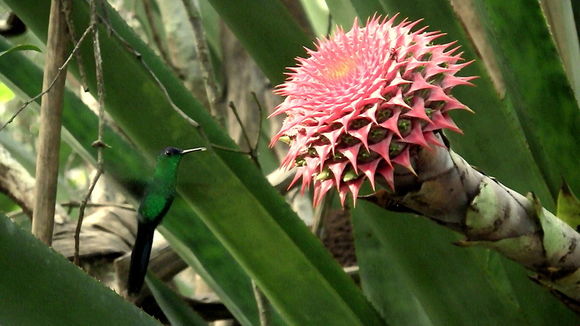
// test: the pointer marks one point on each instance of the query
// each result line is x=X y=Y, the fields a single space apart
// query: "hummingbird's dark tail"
x=140 y=257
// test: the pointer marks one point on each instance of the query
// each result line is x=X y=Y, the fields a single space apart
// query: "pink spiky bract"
x=362 y=100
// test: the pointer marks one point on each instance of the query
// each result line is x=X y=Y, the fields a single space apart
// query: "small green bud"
x=383 y=114
x=436 y=79
x=324 y=175
x=349 y=175
x=312 y=151
x=300 y=161
x=419 y=69
x=395 y=148
x=338 y=156
x=358 y=123
x=377 y=134
x=404 y=126
x=424 y=93
x=348 y=139
x=285 y=139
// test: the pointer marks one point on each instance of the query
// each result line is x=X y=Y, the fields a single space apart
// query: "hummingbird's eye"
x=170 y=151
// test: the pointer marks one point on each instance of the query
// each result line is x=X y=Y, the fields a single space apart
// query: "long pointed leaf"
x=537 y=85
x=41 y=287
x=131 y=170
x=453 y=285
x=253 y=222
x=176 y=310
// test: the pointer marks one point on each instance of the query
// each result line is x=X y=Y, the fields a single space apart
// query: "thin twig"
x=262 y=305
x=129 y=48
x=73 y=203
x=260 y=116
x=244 y=133
x=99 y=143
x=228 y=149
x=156 y=37
x=82 y=208
x=67 y=8
x=206 y=67
x=261 y=300
x=139 y=57
x=329 y=26
x=252 y=151
x=60 y=69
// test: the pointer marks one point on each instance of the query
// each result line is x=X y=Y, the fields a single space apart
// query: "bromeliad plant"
x=364 y=101
x=370 y=104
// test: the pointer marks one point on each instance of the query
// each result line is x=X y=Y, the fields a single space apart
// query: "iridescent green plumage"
x=158 y=198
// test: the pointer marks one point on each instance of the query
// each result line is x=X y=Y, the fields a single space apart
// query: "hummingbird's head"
x=168 y=160
x=176 y=152
x=171 y=151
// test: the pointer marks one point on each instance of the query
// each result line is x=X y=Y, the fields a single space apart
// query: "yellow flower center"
x=339 y=69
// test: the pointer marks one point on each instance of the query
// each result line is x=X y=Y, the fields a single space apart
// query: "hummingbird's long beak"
x=191 y=150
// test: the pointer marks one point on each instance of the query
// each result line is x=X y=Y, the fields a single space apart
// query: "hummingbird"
x=159 y=195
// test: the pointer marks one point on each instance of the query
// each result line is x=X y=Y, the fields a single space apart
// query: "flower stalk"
x=449 y=191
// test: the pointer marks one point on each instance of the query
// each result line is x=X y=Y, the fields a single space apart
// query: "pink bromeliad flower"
x=362 y=102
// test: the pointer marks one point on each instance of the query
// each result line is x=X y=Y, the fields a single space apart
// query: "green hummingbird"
x=158 y=198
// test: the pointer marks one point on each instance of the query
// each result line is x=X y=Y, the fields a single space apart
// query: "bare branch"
x=50 y=125
x=67 y=8
x=89 y=204
x=206 y=67
x=139 y=57
x=156 y=37
x=99 y=143
x=262 y=304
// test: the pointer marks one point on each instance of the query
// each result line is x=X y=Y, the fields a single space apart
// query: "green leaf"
x=224 y=189
x=5 y=93
x=25 y=78
x=267 y=31
x=342 y=11
x=199 y=248
x=21 y=47
x=130 y=169
x=536 y=85
x=383 y=280
x=452 y=285
x=175 y=309
x=568 y=206
x=41 y=287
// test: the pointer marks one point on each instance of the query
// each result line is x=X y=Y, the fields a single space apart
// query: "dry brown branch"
x=129 y=48
x=15 y=182
x=73 y=39
x=50 y=124
x=99 y=143
x=211 y=89
x=252 y=151
x=262 y=303
x=89 y=204
x=156 y=37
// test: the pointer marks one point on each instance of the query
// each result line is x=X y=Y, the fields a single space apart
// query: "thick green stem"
x=451 y=192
